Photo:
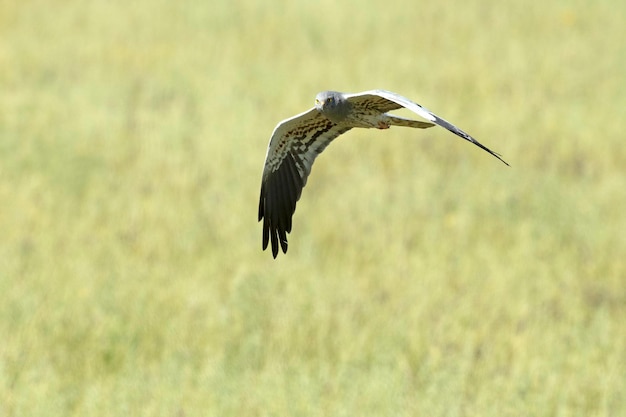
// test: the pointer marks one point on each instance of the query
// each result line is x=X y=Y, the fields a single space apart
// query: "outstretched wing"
x=386 y=101
x=293 y=147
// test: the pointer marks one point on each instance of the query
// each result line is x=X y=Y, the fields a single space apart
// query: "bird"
x=297 y=141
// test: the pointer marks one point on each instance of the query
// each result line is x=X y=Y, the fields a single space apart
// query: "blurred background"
x=423 y=276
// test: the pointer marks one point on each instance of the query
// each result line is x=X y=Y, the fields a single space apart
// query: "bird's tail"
x=393 y=120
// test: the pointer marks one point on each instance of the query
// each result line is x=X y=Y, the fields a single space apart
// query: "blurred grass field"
x=424 y=278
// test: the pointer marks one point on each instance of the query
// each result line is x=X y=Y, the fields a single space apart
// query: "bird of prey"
x=297 y=141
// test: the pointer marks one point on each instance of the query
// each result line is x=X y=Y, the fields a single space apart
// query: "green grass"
x=424 y=278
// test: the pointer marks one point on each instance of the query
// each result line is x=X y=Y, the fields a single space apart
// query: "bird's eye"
x=329 y=100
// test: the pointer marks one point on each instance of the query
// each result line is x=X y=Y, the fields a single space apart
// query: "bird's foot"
x=382 y=125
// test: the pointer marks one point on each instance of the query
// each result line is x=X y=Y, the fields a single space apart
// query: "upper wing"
x=294 y=145
x=387 y=101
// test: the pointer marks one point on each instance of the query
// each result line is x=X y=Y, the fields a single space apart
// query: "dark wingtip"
x=483 y=147
x=266 y=234
x=452 y=128
x=500 y=158
x=262 y=201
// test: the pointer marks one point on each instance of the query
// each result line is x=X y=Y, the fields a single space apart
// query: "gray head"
x=333 y=105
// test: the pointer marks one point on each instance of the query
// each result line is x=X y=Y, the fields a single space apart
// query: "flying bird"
x=297 y=141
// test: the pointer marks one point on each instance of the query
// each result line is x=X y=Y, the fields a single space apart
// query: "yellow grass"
x=424 y=277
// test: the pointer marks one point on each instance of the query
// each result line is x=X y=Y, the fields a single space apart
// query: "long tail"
x=393 y=120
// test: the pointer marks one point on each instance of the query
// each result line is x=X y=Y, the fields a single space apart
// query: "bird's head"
x=333 y=105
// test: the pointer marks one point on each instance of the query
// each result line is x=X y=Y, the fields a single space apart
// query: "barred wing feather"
x=293 y=147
